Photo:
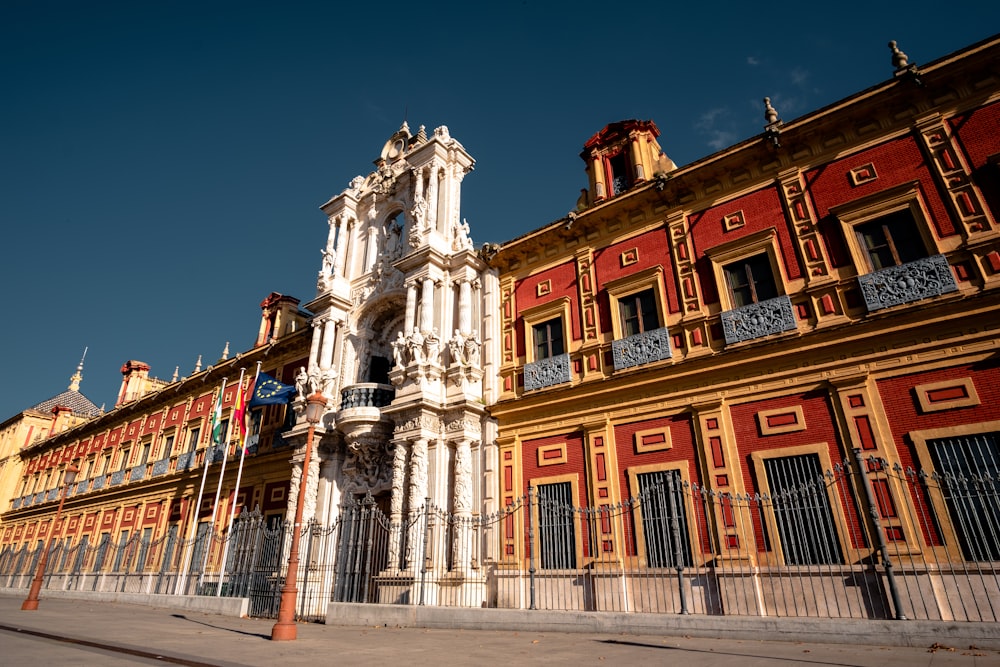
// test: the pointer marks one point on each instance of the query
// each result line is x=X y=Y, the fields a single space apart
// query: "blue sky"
x=162 y=164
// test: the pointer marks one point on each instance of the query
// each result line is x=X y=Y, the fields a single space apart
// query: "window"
x=378 y=369
x=618 y=178
x=750 y=280
x=120 y=552
x=638 y=312
x=168 y=446
x=802 y=513
x=145 y=453
x=556 y=526
x=891 y=240
x=124 y=463
x=968 y=470
x=548 y=338
x=193 y=436
x=106 y=466
x=664 y=519
x=102 y=551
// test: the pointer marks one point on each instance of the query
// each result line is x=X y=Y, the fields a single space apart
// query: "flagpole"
x=240 y=442
x=182 y=579
x=218 y=487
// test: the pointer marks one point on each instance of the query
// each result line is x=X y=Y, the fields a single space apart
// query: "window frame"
x=691 y=518
x=536 y=516
x=859 y=212
x=776 y=556
x=540 y=314
x=920 y=441
x=635 y=283
x=744 y=248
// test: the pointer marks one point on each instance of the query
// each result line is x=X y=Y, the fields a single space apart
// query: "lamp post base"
x=29 y=605
x=284 y=631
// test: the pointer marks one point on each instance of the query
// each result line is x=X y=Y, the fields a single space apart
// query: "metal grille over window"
x=802 y=511
x=556 y=527
x=968 y=471
x=664 y=521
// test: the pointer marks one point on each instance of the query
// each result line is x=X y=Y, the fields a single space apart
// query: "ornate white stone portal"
x=404 y=337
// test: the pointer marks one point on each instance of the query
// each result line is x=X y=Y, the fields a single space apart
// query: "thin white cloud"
x=752 y=61
x=799 y=76
x=708 y=119
x=719 y=139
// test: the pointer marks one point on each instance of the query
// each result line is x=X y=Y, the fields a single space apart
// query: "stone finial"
x=770 y=113
x=77 y=377
x=422 y=133
x=225 y=352
x=177 y=370
x=197 y=365
x=899 y=59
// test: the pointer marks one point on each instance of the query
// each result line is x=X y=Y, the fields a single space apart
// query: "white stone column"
x=432 y=197
x=329 y=337
x=411 y=308
x=317 y=335
x=458 y=173
x=396 y=504
x=462 y=505
x=372 y=252
x=343 y=241
x=427 y=306
x=464 y=306
x=417 y=498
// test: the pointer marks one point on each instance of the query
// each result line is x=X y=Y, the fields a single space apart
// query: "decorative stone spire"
x=197 y=365
x=176 y=371
x=225 y=352
x=77 y=377
x=899 y=59
x=770 y=114
x=772 y=130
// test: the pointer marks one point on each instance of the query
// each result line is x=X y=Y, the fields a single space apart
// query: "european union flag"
x=269 y=391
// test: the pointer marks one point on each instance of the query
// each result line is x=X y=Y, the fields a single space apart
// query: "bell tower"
x=402 y=347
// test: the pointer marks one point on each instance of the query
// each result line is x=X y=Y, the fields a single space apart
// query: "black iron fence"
x=860 y=540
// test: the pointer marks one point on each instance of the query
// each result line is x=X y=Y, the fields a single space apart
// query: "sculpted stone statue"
x=415 y=345
x=432 y=347
x=301 y=382
x=471 y=349
x=399 y=351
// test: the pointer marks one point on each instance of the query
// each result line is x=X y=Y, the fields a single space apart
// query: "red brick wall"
x=563 y=279
x=654 y=250
x=978 y=136
x=761 y=210
x=896 y=162
x=903 y=411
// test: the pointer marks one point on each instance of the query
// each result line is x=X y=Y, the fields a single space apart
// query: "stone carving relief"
x=368 y=465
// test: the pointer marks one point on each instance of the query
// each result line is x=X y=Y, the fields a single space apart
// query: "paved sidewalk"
x=79 y=632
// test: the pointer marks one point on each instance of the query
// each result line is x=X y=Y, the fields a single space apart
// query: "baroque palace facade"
x=715 y=381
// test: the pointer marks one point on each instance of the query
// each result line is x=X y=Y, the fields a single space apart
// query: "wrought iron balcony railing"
x=757 y=320
x=547 y=372
x=906 y=283
x=641 y=348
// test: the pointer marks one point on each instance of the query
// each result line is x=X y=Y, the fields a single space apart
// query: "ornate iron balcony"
x=906 y=283
x=185 y=460
x=81 y=487
x=98 y=483
x=53 y=494
x=138 y=473
x=641 y=348
x=757 y=320
x=547 y=372
x=117 y=477
x=161 y=467
x=16 y=503
x=367 y=395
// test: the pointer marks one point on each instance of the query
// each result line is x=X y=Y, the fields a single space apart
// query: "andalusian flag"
x=217 y=428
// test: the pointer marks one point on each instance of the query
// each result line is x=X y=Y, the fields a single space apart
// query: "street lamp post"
x=285 y=629
x=31 y=602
